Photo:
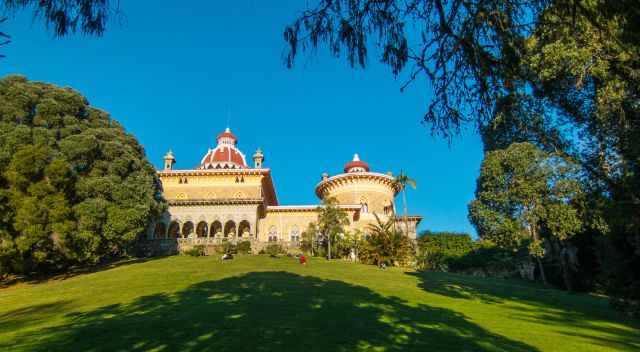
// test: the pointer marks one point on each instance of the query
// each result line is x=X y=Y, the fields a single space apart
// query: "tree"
x=526 y=195
x=562 y=74
x=402 y=180
x=86 y=16
x=386 y=245
x=74 y=186
x=332 y=221
x=309 y=238
x=4 y=37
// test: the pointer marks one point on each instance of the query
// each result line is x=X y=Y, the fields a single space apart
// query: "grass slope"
x=257 y=303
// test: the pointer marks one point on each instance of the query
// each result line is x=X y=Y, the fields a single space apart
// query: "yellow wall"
x=376 y=194
x=211 y=187
x=284 y=222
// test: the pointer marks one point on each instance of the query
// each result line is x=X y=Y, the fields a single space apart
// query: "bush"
x=225 y=248
x=196 y=251
x=244 y=247
x=274 y=250
x=437 y=250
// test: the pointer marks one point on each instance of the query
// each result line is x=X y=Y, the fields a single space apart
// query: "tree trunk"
x=404 y=203
x=564 y=264
x=534 y=234
x=541 y=268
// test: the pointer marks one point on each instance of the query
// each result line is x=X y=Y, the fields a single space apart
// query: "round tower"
x=374 y=192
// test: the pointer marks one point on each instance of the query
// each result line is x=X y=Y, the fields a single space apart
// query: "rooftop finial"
x=356 y=157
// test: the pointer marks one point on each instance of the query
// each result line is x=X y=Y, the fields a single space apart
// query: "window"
x=273 y=234
x=295 y=234
x=364 y=205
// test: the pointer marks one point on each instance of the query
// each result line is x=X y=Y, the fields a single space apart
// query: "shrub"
x=437 y=250
x=225 y=248
x=244 y=247
x=386 y=245
x=196 y=251
x=274 y=249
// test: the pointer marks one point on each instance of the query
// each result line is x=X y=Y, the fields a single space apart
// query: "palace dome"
x=227 y=134
x=225 y=155
x=356 y=165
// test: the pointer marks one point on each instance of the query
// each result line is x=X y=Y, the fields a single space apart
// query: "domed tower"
x=373 y=191
x=169 y=160
x=225 y=155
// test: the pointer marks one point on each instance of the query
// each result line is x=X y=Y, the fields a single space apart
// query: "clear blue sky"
x=169 y=72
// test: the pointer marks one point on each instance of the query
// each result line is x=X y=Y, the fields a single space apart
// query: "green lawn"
x=259 y=303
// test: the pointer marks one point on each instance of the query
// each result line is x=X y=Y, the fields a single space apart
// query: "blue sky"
x=173 y=75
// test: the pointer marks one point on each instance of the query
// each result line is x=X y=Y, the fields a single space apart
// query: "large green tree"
x=526 y=195
x=74 y=186
x=562 y=74
x=332 y=224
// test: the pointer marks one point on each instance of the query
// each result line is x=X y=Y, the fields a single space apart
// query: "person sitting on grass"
x=303 y=259
x=227 y=256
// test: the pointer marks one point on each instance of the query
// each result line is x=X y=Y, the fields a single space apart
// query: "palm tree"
x=402 y=180
x=386 y=245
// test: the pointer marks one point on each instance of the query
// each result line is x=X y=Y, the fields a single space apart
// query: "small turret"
x=258 y=158
x=324 y=176
x=169 y=160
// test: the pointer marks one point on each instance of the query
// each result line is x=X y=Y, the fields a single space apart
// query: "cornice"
x=308 y=208
x=213 y=172
x=346 y=177
x=219 y=201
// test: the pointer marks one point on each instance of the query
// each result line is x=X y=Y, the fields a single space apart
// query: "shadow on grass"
x=580 y=315
x=23 y=317
x=73 y=272
x=270 y=311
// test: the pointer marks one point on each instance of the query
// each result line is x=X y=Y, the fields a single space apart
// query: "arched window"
x=216 y=229
x=273 y=234
x=295 y=234
x=174 y=230
x=244 y=229
x=230 y=229
x=364 y=205
x=187 y=229
x=202 y=229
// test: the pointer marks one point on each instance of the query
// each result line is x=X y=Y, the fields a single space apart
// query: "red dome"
x=226 y=155
x=228 y=134
x=223 y=157
x=356 y=165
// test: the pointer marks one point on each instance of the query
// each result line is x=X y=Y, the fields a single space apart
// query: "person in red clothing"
x=303 y=259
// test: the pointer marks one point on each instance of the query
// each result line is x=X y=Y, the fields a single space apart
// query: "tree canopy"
x=563 y=75
x=74 y=186
x=525 y=195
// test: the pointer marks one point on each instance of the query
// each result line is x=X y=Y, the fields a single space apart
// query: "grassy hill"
x=258 y=303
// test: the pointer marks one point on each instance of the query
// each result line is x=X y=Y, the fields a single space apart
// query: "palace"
x=225 y=198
